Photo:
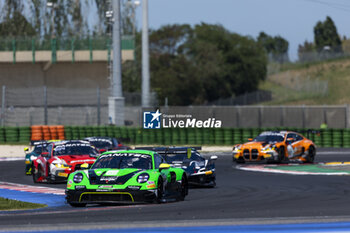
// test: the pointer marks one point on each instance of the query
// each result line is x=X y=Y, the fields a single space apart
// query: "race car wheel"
x=281 y=154
x=37 y=173
x=77 y=204
x=311 y=154
x=184 y=188
x=159 y=190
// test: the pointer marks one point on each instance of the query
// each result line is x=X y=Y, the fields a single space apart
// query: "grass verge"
x=8 y=204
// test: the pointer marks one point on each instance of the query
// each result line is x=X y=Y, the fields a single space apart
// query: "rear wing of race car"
x=163 y=150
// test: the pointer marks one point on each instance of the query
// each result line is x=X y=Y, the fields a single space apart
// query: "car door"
x=296 y=143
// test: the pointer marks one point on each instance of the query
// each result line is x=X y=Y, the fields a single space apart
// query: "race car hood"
x=255 y=145
x=77 y=159
x=111 y=176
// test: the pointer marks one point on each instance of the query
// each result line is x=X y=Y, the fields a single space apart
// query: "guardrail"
x=173 y=136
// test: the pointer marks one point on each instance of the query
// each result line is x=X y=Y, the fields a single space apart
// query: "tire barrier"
x=166 y=136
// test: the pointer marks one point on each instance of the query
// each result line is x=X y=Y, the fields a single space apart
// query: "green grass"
x=335 y=74
x=8 y=204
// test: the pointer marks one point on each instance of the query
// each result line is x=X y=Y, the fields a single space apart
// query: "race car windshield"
x=173 y=157
x=75 y=150
x=40 y=149
x=126 y=161
x=269 y=138
x=101 y=144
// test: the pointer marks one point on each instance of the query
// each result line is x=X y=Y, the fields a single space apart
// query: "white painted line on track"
x=31 y=188
x=269 y=170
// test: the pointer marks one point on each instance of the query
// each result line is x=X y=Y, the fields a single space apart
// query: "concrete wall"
x=64 y=74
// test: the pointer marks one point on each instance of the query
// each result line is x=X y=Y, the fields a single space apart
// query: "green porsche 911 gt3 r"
x=129 y=176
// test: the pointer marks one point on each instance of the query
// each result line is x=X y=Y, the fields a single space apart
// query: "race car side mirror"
x=164 y=166
x=84 y=166
x=26 y=149
x=213 y=157
x=250 y=139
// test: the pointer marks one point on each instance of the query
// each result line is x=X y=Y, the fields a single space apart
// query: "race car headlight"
x=78 y=178
x=142 y=178
x=60 y=164
x=237 y=148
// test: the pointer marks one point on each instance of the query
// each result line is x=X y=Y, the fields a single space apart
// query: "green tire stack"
x=68 y=132
x=138 y=136
x=246 y=134
x=326 y=136
x=110 y=131
x=95 y=130
x=82 y=132
x=317 y=138
x=24 y=134
x=117 y=132
x=146 y=136
x=228 y=136
x=237 y=136
x=167 y=139
x=219 y=136
x=75 y=132
x=124 y=133
x=175 y=135
x=206 y=136
x=337 y=138
x=11 y=134
x=191 y=136
x=182 y=136
x=346 y=138
x=102 y=131
x=2 y=135
x=89 y=131
x=152 y=136
x=132 y=135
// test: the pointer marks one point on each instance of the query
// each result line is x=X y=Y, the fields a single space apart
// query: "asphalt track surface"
x=240 y=197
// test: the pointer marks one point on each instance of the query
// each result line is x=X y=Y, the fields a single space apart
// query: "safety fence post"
x=98 y=106
x=33 y=51
x=45 y=105
x=3 y=106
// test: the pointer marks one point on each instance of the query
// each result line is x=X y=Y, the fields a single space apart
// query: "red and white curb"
x=262 y=168
x=31 y=188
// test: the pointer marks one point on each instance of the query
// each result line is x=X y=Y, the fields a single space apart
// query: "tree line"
x=327 y=43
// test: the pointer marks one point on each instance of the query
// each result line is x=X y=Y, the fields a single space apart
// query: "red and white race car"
x=62 y=158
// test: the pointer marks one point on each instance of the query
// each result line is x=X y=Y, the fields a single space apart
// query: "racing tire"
x=184 y=188
x=36 y=174
x=311 y=154
x=159 y=191
x=77 y=204
x=281 y=154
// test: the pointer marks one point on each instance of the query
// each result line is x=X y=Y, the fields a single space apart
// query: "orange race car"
x=276 y=146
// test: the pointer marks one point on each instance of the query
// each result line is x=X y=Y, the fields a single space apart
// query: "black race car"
x=200 y=171
x=103 y=144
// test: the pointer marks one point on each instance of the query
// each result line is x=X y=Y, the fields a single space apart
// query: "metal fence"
x=67 y=106
x=77 y=106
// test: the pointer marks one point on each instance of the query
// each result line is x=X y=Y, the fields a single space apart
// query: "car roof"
x=147 y=152
x=70 y=142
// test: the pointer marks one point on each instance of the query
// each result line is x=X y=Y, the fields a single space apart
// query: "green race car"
x=129 y=176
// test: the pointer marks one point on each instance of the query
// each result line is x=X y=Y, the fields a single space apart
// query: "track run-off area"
x=248 y=198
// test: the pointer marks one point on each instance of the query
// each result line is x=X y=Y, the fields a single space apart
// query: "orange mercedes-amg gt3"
x=276 y=146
